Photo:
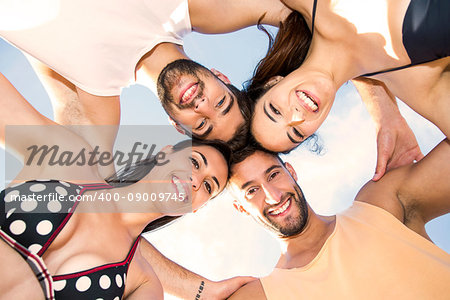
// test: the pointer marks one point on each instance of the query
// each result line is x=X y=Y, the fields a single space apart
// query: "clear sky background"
x=217 y=241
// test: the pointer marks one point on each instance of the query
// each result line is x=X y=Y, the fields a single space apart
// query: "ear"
x=166 y=149
x=291 y=170
x=239 y=207
x=221 y=76
x=177 y=126
x=272 y=81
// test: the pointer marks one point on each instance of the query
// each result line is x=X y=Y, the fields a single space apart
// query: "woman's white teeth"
x=178 y=184
x=282 y=209
x=188 y=94
x=308 y=101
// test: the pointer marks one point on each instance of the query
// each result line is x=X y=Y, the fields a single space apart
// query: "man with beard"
x=376 y=249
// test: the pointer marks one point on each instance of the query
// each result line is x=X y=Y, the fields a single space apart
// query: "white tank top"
x=96 y=44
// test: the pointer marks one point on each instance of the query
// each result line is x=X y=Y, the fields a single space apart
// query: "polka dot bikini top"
x=36 y=211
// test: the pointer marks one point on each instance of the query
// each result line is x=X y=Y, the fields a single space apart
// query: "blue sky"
x=217 y=241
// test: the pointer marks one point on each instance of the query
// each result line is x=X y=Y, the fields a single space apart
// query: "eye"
x=273 y=175
x=297 y=133
x=207 y=186
x=202 y=124
x=274 y=110
x=194 y=162
x=251 y=192
x=221 y=102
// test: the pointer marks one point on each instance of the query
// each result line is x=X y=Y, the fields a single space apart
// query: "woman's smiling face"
x=292 y=109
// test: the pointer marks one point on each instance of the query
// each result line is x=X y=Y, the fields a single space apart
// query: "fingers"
x=381 y=167
x=419 y=156
x=406 y=158
x=384 y=152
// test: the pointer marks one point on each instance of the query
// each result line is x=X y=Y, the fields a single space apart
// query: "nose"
x=202 y=106
x=297 y=117
x=273 y=195
x=195 y=182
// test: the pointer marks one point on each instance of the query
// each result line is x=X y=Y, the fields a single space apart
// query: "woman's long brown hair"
x=285 y=54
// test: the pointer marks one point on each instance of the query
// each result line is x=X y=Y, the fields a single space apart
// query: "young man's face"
x=268 y=192
x=194 y=97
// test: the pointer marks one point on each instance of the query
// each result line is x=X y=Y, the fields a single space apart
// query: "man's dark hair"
x=243 y=153
x=241 y=137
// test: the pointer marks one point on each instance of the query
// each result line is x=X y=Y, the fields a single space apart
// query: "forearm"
x=379 y=101
x=235 y=14
x=175 y=279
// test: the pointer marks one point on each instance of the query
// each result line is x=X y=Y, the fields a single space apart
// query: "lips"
x=280 y=210
x=307 y=101
x=188 y=92
x=180 y=186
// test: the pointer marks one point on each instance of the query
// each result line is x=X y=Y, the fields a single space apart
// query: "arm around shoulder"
x=252 y=290
x=234 y=14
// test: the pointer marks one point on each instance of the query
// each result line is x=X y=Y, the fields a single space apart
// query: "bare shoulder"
x=252 y=290
x=383 y=193
x=415 y=193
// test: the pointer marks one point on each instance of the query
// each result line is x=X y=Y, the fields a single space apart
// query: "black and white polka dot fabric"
x=34 y=213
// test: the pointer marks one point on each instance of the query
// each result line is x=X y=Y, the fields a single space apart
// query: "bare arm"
x=252 y=290
x=425 y=186
x=396 y=143
x=183 y=283
x=222 y=16
x=416 y=193
x=17 y=111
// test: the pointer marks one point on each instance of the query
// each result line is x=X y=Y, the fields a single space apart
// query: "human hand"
x=218 y=290
x=396 y=146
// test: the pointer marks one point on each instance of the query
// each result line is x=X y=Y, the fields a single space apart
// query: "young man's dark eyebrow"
x=265 y=172
x=268 y=115
x=271 y=168
x=292 y=139
x=246 y=184
x=230 y=105
x=205 y=134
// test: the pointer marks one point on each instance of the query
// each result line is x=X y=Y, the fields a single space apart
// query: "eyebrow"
x=205 y=161
x=216 y=181
x=267 y=114
x=206 y=133
x=265 y=173
x=230 y=105
x=292 y=139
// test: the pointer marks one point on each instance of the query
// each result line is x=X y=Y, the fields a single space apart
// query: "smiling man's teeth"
x=308 y=101
x=282 y=209
x=188 y=94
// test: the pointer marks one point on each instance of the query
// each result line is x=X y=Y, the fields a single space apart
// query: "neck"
x=301 y=249
x=152 y=63
x=334 y=61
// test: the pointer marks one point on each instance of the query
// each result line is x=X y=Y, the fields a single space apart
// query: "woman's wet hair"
x=135 y=172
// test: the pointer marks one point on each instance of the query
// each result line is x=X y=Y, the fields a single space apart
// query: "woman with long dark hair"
x=95 y=252
x=402 y=46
